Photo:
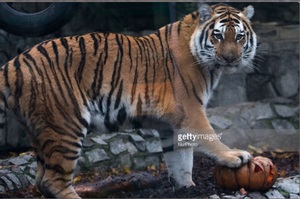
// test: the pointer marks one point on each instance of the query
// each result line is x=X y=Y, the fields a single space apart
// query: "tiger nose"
x=229 y=58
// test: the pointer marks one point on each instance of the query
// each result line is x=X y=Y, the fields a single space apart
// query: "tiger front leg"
x=180 y=164
x=198 y=125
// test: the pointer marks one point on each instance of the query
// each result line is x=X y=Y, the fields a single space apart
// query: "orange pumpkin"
x=258 y=174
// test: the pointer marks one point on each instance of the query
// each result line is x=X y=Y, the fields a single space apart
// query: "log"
x=104 y=188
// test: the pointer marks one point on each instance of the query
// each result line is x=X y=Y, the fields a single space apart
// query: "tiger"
x=61 y=89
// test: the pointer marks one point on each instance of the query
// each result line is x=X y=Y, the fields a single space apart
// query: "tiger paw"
x=177 y=184
x=234 y=158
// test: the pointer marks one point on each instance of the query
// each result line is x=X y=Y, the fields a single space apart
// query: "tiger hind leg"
x=56 y=166
x=180 y=164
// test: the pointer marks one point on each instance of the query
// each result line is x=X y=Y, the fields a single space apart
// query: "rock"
x=8 y=183
x=257 y=83
x=14 y=180
x=98 y=140
x=215 y=196
x=220 y=122
x=146 y=133
x=31 y=180
x=125 y=161
x=294 y=196
x=283 y=45
x=256 y=195
x=273 y=193
x=131 y=148
x=288 y=33
x=290 y=184
x=154 y=146
x=257 y=111
x=286 y=83
x=87 y=143
x=2 y=189
x=96 y=155
x=137 y=138
x=141 y=146
x=107 y=136
x=282 y=125
x=21 y=160
x=139 y=142
x=117 y=147
x=285 y=111
x=230 y=90
x=229 y=197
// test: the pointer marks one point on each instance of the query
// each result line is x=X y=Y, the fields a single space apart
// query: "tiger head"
x=224 y=38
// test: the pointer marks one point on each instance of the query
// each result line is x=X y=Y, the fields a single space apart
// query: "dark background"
x=118 y=17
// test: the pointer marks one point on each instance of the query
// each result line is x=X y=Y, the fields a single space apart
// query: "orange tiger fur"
x=61 y=88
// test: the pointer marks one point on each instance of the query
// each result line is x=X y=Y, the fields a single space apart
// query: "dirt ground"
x=287 y=163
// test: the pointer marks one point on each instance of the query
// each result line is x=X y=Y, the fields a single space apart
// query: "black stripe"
x=120 y=44
x=154 y=64
x=106 y=46
x=119 y=95
x=19 y=80
x=129 y=52
x=179 y=27
x=204 y=32
x=170 y=29
x=58 y=169
x=147 y=98
x=100 y=79
x=122 y=115
x=167 y=58
x=67 y=62
x=95 y=43
x=6 y=75
x=195 y=92
x=83 y=58
x=164 y=59
x=179 y=72
x=211 y=79
x=33 y=89
x=58 y=130
x=54 y=46
x=96 y=77
x=71 y=158
x=134 y=83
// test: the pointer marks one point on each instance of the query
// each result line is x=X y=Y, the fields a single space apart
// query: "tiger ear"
x=249 y=11
x=205 y=12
